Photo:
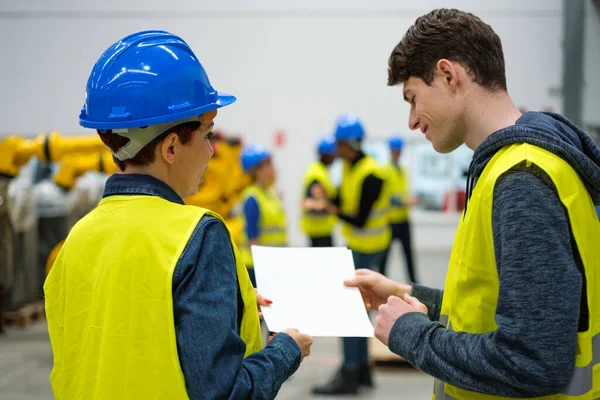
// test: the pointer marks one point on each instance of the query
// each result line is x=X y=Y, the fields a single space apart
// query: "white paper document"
x=307 y=288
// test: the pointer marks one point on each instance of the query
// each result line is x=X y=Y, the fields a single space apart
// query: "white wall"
x=294 y=65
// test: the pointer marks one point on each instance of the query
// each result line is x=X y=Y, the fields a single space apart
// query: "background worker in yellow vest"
x=362 y=206
x=316 y=184
x=400 y=202
x=148 y=297
x=520 y=313
x=262 y=209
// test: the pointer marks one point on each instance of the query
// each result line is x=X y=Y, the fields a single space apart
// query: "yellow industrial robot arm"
x=16 y=151
x=73 y=166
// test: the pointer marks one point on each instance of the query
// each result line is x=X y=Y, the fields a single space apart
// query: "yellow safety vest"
x=472 y=286
x=375 y=235
x=399 y=193
x=272 y=228
x=318 y=224
x=109 y=301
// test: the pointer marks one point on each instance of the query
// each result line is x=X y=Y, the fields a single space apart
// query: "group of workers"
x=371 y=204
x=264 y=215
x=150 y=299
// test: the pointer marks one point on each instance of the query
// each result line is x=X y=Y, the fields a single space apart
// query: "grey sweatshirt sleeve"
x=432 y=298
x=532 y=353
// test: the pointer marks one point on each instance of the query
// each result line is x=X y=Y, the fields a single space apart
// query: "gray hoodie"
x=542 y=303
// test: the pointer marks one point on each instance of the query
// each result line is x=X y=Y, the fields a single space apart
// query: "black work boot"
x=344 y=382
x=364 y=376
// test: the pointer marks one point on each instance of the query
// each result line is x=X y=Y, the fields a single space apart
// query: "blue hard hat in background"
x=349 y=127
x=148 y=78
x=395 y=142
x=327 y=146
x=252 y=155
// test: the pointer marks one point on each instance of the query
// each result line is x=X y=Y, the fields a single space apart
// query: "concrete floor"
x=26 y=357
x=26 y=360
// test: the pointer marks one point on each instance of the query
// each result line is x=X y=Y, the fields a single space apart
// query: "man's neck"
x=262 y=185
x=487 y=113
x=153 y=170
x=355 y=157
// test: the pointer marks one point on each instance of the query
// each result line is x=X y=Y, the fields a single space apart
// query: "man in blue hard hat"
x=399 y=207
x=149 y=298
x=317 y=224
x=262 y=210
x=362 y=205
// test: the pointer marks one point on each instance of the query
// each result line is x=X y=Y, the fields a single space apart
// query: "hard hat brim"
x=223 y=99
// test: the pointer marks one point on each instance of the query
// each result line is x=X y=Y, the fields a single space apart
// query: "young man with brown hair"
x=520 y=313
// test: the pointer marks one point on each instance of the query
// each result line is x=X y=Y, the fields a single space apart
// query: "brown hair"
x=456 y=36
x=146 y=154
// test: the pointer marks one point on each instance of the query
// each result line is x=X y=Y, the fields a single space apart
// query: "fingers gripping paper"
x=307 y=288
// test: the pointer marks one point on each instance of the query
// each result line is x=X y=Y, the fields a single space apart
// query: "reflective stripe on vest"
x=109 y=301
x=375 y=235
x=372 y=232
x=318 y=224
x=272 y=227
x=438 y=391
x=581 y=381
x=583 y=377
x=472 y=284
x=268 y=229
x=369 y=232
x=398 y=193
x=317 y=215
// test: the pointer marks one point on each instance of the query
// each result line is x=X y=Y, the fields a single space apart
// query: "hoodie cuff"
x=406 y=331
x=432 y=298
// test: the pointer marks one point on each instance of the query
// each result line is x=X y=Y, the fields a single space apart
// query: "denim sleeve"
x=211 y=352
x=532 y=352
x=251 y=215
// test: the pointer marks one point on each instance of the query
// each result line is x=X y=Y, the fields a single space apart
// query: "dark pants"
x=323 y=241
x=401 y=232
x=356 y=352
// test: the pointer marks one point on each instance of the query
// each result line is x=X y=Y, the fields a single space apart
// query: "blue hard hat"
x=327 y=146
x=252 y=155
x=395 y=142
x=148 y=78
x=349 y=127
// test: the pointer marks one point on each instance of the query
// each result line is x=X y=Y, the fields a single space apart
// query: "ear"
x=168 y=148
x=448 y=71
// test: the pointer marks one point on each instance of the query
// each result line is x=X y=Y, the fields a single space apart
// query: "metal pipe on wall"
x=573 y=45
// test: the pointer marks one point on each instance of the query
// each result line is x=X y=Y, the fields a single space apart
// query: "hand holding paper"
x=308 y=292
x=376 y=288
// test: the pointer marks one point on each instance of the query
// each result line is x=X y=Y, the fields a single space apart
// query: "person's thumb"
x=413 y=301
x=359 y=280
x=353 y=282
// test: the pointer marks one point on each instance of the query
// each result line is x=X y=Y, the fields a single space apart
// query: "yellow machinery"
x=20 y=270
x=73 y=166
x=17 y=151
x=223 y=182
